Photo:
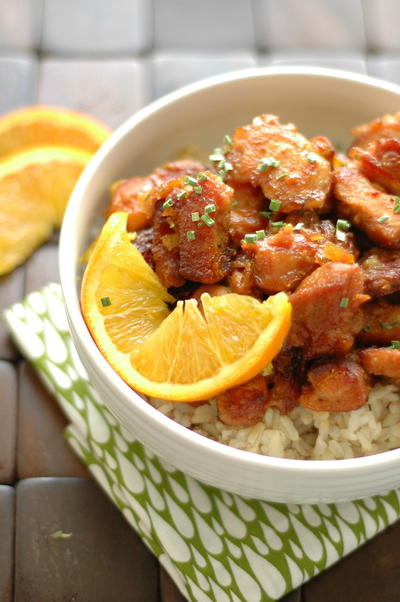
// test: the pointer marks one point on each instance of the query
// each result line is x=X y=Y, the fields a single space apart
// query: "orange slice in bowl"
x=35 y=186
x=188 y=353
x=42 y=125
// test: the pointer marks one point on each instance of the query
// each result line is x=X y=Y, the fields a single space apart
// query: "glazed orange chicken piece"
x=240 y=278
x=335 y=385
x=206 y=257
x=287 y=379
x=286 y=165
x=191 y=231
x=135 y=197
x=381 y=272
x=165 y=250
x=381 y=323
x=245 y=404
x=325 y=310
x=138 y=196
x=144 y=243
x=366 y=207
x=381 y=361
x=324 y=146
x=380 y=163
x=245 y=214
x=281 y=261
x=365 y=135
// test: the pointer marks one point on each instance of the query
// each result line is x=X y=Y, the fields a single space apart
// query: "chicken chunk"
x=246 y=196
x=324 y=146
x=144 y=242
x=381 y=270
x=206 y=257
x=240 y=278
x=366 y=207
x=381 y=323
x=381 y=361
x=325 y=310
x=387 y=126
x=135 y=197
x=287 y=379
x=335 y=385
x=165 y=250
x=281 y=261
x=192 y=228
x=174 y=170
x=286 y=165
x=138 y=196
x=245 y=404
x=380 y=163
x=245 y=215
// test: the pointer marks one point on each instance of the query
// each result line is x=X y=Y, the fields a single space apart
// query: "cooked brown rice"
x=303 y=434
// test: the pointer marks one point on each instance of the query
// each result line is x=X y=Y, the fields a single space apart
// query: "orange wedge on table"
x=42 y=153
x=42 y=125
x=187 y=353
x=35 y=186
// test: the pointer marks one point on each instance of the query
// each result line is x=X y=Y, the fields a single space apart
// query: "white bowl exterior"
x=319 y=101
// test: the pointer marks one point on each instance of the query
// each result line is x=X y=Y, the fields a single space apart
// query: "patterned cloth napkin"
x=215 y=545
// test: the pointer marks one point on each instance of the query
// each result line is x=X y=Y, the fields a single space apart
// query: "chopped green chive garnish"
x=207 y=220
x=191 y=235
x=228 y=140
x=234 y=203
x=342 y=225
x=181 y=195
x=274 y=205
x=281 y=175
x=105 y=301
x=202 y=177
x=268 y=162
x=312 y=157
x=168 y=203
x=388 y=325
x=210 y=208
x=396 y=206
x=198 y=189
x=195 y=216
x=367 y=328
x=383 y=219
x=250 y=238
x=395 y=345
x=190 y=180
x=260 y=234
x=344 y=302
x=224 y=166
x=278 y=224
x=265 y=213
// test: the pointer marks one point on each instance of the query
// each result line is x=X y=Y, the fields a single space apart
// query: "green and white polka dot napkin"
x=215 y=545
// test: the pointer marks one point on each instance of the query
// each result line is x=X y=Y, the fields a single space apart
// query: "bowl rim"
x=182 y=435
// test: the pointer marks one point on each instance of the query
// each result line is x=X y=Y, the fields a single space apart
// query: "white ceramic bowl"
x=318 y=101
